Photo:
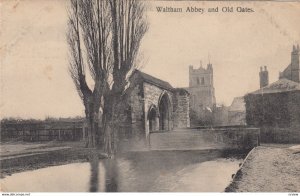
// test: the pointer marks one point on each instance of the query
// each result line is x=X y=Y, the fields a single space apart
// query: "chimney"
x=209 y=66
x=263 y=77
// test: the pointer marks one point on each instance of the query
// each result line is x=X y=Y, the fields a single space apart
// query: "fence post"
x=58 y=134
x=38 y=135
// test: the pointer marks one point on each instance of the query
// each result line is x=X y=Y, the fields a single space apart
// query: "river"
x=186 y=171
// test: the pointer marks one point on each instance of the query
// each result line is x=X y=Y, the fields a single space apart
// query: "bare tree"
x=89 y=30
x=104 y=36
x=129 y=25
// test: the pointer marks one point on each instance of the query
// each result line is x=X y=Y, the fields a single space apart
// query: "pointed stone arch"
x=152 y=118
x=165 y=112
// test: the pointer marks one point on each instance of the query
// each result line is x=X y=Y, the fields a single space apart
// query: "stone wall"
x=137 y=110
x=291 y=132
x=152 y=95
x=277 y=114
x=267 y=110
x=280 y=135
x=232 y=137
x=181 y=109
x=294 y=109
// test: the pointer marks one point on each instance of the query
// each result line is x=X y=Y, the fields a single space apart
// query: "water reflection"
x=106 y=170
x=111 y=177
x=139 y=172
x=94 y=164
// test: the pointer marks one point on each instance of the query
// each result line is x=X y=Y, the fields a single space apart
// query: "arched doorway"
x=164 y=112
x=152 y=116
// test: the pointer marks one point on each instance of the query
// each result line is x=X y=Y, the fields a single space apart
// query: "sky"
x=35 y=82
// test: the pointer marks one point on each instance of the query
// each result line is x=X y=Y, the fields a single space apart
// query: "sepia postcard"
x=149 y=96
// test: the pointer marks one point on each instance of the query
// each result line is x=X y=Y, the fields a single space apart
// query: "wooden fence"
x=42 y=131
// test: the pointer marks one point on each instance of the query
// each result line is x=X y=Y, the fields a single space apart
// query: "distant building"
x=292 y=71
x=237 y=112
x=220 y=115
x=202 y=93
x=275 y=108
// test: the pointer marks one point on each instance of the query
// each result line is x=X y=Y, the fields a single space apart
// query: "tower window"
x=202 y=81
x=198 y=82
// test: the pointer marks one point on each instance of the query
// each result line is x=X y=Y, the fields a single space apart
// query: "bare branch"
x=129 y=26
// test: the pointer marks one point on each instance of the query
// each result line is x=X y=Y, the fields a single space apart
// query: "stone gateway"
x=153 y=105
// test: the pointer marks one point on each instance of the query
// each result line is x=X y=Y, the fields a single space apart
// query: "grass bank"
x=269 y=168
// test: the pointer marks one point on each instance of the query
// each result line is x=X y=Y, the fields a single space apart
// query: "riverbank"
x=269 y=168
x=22 y=156
x=151 y=171
x=17 y=157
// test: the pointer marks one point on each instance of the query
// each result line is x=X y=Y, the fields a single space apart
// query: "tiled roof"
x=286 y=72
x=238 y=104
x=288 y=69
x=152 y=80
x=282 y=85
x=182 y=91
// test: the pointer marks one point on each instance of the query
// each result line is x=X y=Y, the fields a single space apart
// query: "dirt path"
x=269 y=169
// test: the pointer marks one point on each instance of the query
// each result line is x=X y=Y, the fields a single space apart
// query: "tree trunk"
x=92 y=125
x=108 y=122
x=91 y=141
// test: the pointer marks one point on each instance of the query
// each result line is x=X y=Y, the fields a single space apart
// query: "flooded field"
x=186 y=171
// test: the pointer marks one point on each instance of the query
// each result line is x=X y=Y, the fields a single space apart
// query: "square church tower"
x=202 y=91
